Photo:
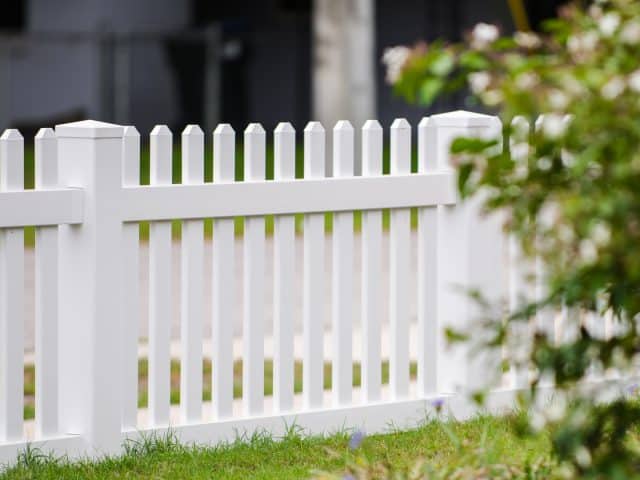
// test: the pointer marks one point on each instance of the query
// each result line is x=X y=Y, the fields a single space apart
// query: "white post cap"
x=89 y=129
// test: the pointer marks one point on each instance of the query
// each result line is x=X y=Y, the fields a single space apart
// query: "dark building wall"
x=266 y=55
x=406 y=22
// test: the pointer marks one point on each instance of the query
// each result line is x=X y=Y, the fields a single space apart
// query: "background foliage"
x=568 y=183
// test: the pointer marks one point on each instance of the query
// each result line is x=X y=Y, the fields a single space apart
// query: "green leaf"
x=442 y=64
x=454 y=336
x=430 y=89
x=471 y=145
x=474 y=61
x=464 y=172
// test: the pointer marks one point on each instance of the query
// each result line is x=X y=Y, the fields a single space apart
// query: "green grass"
x=489 y=440
x=29 y=181
x=143 y=372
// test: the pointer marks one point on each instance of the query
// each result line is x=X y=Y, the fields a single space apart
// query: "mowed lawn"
x=475 y=445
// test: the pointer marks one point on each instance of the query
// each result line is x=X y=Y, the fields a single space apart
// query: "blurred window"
x=13 y=15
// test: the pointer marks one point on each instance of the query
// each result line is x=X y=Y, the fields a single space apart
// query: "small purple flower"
x=633 y=388
x=356 y=440
x=438 y=403
x=348 y=476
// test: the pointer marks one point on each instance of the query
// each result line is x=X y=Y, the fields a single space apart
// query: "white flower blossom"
x=595 y=11
x=527 y=40
x=527 y=80
x=545 y=163
x=609 y=23
x=583 y=457
x=631 y=32
x=519 y=151
x=558 y=99
x=556 y=408
x=553 y=125
x=483 y=35
x=568 y=158
x=634 y=81
x=601 y=234
x=579 y=44
x=550 y=212
x=395 y=58
x=565 y=233
x=537 y=421
x=588 y=251
x=613 y=88
x=479 y=81
x=492 y=97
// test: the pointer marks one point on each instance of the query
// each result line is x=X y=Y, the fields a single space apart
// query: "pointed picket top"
x=193 y=129
x=372 y=125
x=45 y=133
x=254 y=128
x=11 y=134
x=284 y=127
x=462 y=118
x=343 y=126
x=400 y=124
x=423 y=122
x=46 y=153
x=224 y=129
x=89 y=129
x=314 y=127
x=160 y=131
x=131 y=131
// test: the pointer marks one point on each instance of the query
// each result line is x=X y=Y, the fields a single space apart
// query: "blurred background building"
x=146 y=62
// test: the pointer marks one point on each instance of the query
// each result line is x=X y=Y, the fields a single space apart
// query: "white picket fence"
x=86 y=204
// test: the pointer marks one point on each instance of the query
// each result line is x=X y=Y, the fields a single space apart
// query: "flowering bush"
x=568 y=180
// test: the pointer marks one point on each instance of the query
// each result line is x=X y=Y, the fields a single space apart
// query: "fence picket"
x=131 y=285
x=427 y=274
x=160 y=286
x=371 y=268
x=313 y=275
x=11 y=295
x=46 y=294
x=342 y=272
x=283 y=264
x=399 y=243
x=192 y=284
x=223 y=280
x=254 y=247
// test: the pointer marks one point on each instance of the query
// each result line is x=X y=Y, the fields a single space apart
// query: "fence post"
x=470 y=257
x=90 y=158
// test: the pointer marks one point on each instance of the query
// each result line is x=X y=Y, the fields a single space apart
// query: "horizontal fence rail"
x=41 y=207
x=287 y=196
x=86 y=206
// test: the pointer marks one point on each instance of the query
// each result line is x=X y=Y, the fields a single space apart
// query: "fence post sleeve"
x=90 y=158
x=470 y=257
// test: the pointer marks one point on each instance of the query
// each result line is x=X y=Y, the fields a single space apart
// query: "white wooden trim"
x=46 y=295
x=11 y=296
x=192 y=284
x=131 y=285
x=160 y=286
x=371 y=270
x=253 y=278
x=283 y=276
x=41 y=207
x=313 y=309
x=293 y=196
x=342 y=274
